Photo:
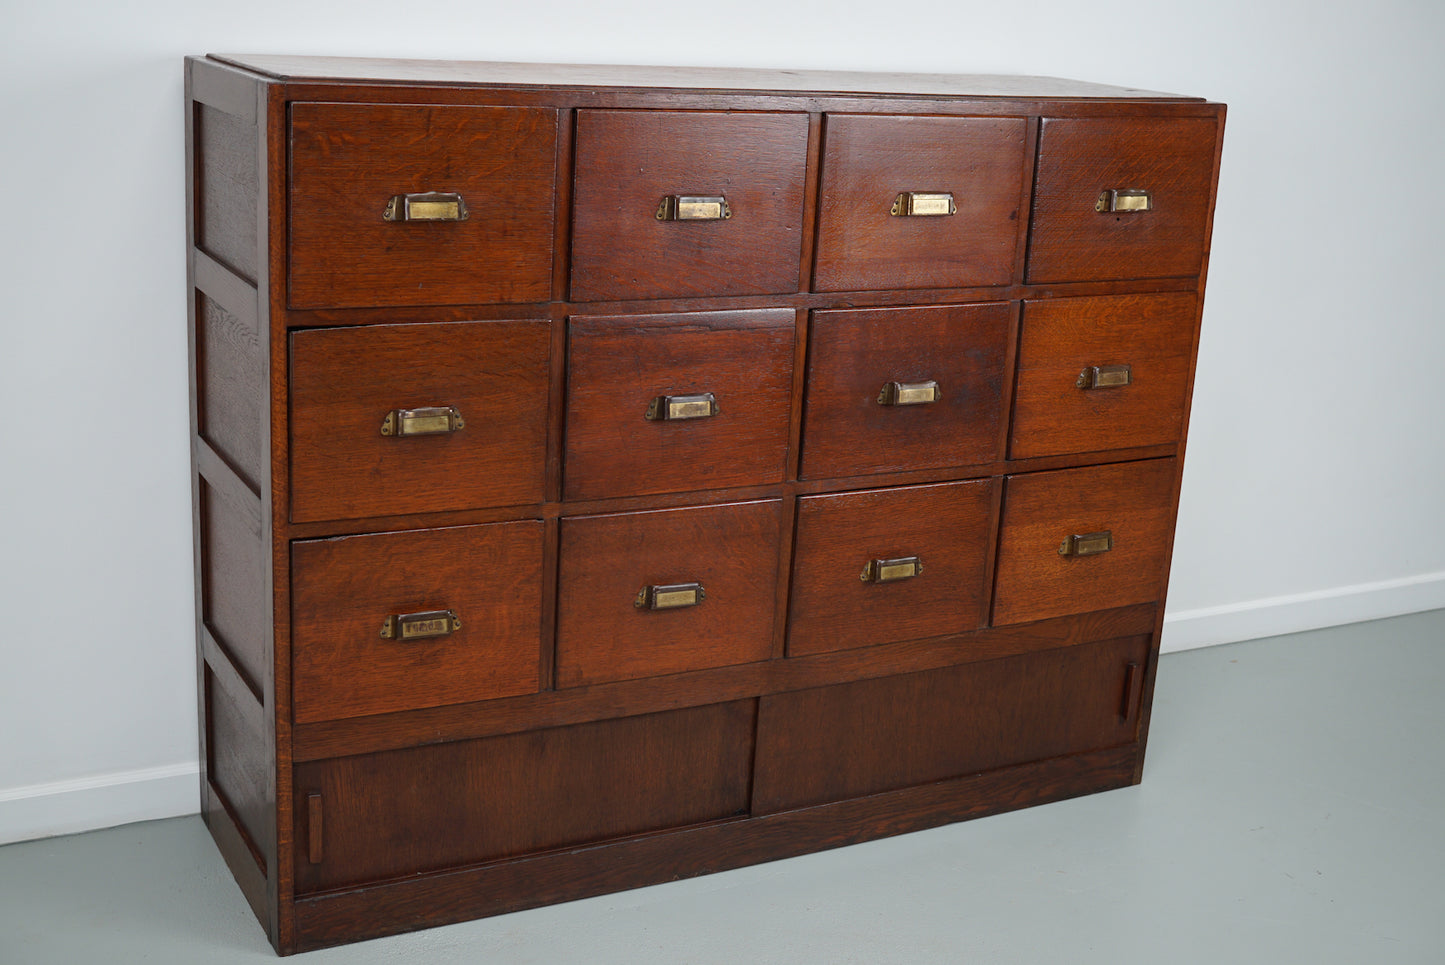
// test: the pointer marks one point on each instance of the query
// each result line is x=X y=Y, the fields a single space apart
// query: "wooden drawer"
x=346 y=382
x=1081 y=159
x=628 y=162
x=867 y=237
x=625 y=437
x=344 y=592
x=1041 y=574
x=848 y=740
x=377 y=816
x=348 y=161
x=1061 y=404
x=931 y=543
x=606 y=629
x=851 y=427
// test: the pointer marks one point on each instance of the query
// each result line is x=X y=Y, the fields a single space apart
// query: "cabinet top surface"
x=480 y=73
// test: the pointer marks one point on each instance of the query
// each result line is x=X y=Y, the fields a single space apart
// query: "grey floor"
x=1291 y=811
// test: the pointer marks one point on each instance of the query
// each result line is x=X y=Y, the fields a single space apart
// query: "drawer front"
x=848 y=740
x=1102 y=373
x=889 y=565
x=630 y=241
x=676 y=403
x=377 y=816
x=371 y=619
x=654 y=593
x=348 y=163
x=919 y=202
x=347 y=384
x=1082 y=160
x=1044 y=572
x=855 y=423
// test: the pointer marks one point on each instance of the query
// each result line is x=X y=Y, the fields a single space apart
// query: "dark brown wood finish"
x=790 y=710
x=346 y=381
x=871 y=160
x=838 y=602
x=628 y=161
x=1056 y=410
x=619 y=366
x=604 y=631
x=348 y=161
x=389 y=815
x=848 y=428
x=343 y=592
x=1131 y=502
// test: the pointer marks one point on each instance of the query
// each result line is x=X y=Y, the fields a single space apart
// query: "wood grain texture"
x=344 y=382
x=233 y=586
x=1152 y=334
x=231 y=389
x=227 y=188
x=840 y=742
x=854 y=353
x=349 y=160
x=415 y=902
x=628 y=161
x=1134 y=501
x=868 y=160
x=1080 y=157
x=946 y=527
x=732 y=550
x=342 y=590
x=618 y=365
x=452 y=804
x=239 y=760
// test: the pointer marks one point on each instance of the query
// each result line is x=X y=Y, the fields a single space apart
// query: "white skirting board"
x=106 y=800
x=99 y=801
x=1208 y=626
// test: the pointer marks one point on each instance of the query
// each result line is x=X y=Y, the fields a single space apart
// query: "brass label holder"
x=909 y=393
x=1087 y=544
x=892 y=570
x=420 y=626
x=923 y=204
x=429 y=421
x=688 y=207
x=1124 y=201
x=1104 y=377
x=669 y=596
x=426 y=206
x=680 y=408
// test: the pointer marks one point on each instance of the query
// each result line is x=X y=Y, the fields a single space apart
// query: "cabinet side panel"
x=230 y=387
x=227 y=186
x=238 y=760
x=233 y=586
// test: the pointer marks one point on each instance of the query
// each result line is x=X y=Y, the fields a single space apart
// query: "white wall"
x=1316 y=470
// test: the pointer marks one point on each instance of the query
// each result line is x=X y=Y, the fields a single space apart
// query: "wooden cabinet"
x=609 y=475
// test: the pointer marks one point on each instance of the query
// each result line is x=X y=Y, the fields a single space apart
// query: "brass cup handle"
x=1104 y=377
x=1124 y=201
x=891 y=570
x=429 y=421
x=909 y=393
x=420 y=626
x=1087 y=544
x=923 y=204
x=669 y=596
x=426 y=206
x=679 y=408
x=691 y=207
